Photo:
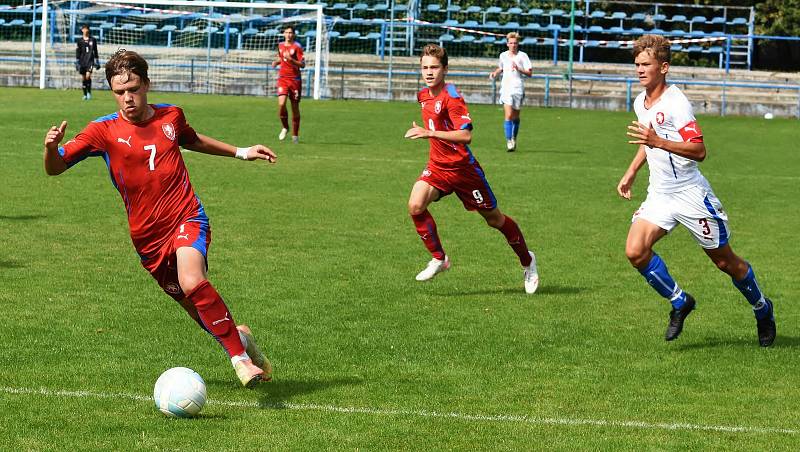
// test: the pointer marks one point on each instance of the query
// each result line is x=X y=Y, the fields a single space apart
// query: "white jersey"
x=672 y=118
x=512 y=79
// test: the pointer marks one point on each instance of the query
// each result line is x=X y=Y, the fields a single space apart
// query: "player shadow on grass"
x=21 y=217
x=738 y=342
x=277 y=393
x=547 y=290
x=10 y=264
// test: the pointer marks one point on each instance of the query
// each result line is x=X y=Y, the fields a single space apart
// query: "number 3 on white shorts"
x=477 y=195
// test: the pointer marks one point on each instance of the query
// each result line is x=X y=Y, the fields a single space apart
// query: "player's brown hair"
x=656 y=45
x=436 y=52
x=126 y=61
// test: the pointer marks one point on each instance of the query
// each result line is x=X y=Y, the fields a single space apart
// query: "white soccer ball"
x=180 y=392
x=768 y=115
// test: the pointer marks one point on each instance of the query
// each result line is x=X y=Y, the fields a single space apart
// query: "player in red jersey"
x=290 y=59
x=141 y=144
x=452 y=168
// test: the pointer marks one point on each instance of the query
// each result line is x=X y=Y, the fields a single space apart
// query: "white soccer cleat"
x=252 y=350
x=531 y=275
x=249 y=374
x=282 y=135
x=511 y=145
x=435 y=266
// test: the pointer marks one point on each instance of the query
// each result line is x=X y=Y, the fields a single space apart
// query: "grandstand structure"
x=370 y=47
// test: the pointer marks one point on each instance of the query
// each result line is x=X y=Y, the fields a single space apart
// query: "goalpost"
x=214 y=47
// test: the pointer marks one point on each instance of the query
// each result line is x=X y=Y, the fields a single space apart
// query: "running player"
x=671 y=143
x=452 y=168
x=513 y=65
x=290 y=59
x=86 y=59
x=169 y=228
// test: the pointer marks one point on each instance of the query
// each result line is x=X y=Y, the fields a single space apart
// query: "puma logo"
x=183 y=236
x=692 y=128
x=128 y=141
x=217 y=322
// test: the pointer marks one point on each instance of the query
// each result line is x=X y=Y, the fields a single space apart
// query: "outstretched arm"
x=463 y=136
x=53 y=163
x=208 y=145
x=648 y=137
x=625 y=184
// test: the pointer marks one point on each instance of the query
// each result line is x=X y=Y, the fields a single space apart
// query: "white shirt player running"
x=512 y=79
x=672 y=118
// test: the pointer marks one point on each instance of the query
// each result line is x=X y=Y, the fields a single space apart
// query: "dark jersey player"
x=86 y=60
x=169 y=228
x=452 y=168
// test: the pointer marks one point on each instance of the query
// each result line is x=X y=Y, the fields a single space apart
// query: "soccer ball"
x=180 y=392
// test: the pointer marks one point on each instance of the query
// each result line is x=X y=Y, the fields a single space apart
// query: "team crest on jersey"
x=660 y=118
x=169 y=130
x=437 y=107
x=172 y=288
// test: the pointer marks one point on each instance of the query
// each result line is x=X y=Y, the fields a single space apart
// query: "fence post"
x=547 y=91
x=191 y=77
x=728 y=54
x=494 y=90
x=628 y=85
x=555 y=47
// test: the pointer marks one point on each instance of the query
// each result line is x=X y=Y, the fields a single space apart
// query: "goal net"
x=208 y=47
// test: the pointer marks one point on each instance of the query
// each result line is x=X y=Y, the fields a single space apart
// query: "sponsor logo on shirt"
x=660 y=118
x=128 y=141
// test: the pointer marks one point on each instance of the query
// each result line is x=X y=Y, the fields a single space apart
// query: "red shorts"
x=467 y=182
x=290 y=87
x=163 y=265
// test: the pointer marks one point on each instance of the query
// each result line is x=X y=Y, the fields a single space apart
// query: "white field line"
x=511 y=418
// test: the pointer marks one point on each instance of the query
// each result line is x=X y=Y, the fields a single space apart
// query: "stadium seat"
x=447 y=37
x=597 y=14
x=535 y=12
x=556 y=13
x=188 y=29
x=554 y=27
x=339 y=7
x=591 y=43
x=450 y=23
x=614 y=45
x=380 y=7
x=471 y=23
x=513 y=25
x=637 y=30
x=532 y=26
x=2 y=21
x=678 y=18
x=616 y=30
x=596 y=29
x=434 y=8
x=529 y=41
x=695 y=49
x=399 y=7
x=351 y=35
x=453 y=8
x=715 y=49
x=676 y=48
x=372 y=35
x=210 y=30
x=466 y=39
x=514 y=11
x=619 y=15
x=718 y=20
x=358 y=7
x=486 y=40
x=491 y=24
x=149 y=27
x=659 y=17
x=697 y=33
x=473 y=9
x=248 y=32
x=699 y=20
x=738 y=21
x=493 y=10
x=274 y=32
x=333 y=34
x=129 y=27
x=638 y=16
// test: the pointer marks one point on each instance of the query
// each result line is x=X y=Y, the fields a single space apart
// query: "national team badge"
x=169 y=130
x=437 y=107
x=660 y=118
x=172 y=288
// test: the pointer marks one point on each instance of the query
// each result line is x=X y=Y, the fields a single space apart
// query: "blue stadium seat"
x=597 y=14
x=351 y=35
x=450 y=23
x=717 y=34
x=473 y=9
x=380 y=7
x=399 y=7
x=556 y=13
x=491 y=24
x=433 y=8
x=131 y=27
x=453 y=9
x=657 y=31
x=471 y=23
x=718 y=20
x=591 y=43
x=695 y=48
x=274 y=32
x=447 y=37
x=678 y=18
x=466 y=39
x=738 y=21
x=511 y=25
x=532 y=26
x=699 y=19
x=715 y=49
x=618 y=15
x=493 y=10
x=211 y=30
x=339 y=7
x=697 y=33
x=638 y=16
x=637 y=30
x=149 y=27
x=487 y=40
x=359 y=7
x=616 y=30
x=676 y=48
x=578 y=28
x=659 y=17
x=535 y=12
x=248 y=32
x=332 y=34
x=613 y=44
x=554 y=27
x=528 y=41
x=516 y=11
x=596 y=29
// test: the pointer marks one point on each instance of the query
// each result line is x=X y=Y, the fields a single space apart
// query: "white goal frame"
x=198 y=3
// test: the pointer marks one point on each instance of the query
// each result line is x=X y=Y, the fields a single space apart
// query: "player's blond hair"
x=656 y=45
x=126 y=62
x=514 y=35
x=434 y=51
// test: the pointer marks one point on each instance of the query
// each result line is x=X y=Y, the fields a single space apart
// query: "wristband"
x=241 y=153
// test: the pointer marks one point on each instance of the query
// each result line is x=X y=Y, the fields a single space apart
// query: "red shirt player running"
x=453 y=169
x=290 y=59
x=140 y=144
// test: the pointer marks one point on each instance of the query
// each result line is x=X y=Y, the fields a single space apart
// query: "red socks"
x=284 y=115
x=426 y=228
x=216 y=317
x=515 y=239
x=295 y=125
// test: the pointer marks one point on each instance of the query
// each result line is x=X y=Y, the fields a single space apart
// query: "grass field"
x=318 y=255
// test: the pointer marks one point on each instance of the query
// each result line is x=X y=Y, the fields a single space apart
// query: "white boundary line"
x=422 y=413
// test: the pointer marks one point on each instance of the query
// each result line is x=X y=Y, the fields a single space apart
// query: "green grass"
x=318 y=255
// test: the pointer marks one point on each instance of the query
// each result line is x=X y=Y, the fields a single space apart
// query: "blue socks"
x=515 y=128
x=659 y=278
x=508 y=126
x=749 y=288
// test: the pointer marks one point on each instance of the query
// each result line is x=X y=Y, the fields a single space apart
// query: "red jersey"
x=447 y=111
x=145 y=164
x=286 y=50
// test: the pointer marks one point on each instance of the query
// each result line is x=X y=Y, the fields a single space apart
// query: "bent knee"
x=638 y=256
x=189 y=282
x=415 y=208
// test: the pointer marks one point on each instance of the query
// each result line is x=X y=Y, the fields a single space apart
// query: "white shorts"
x=697 y=208
x=515 y=100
